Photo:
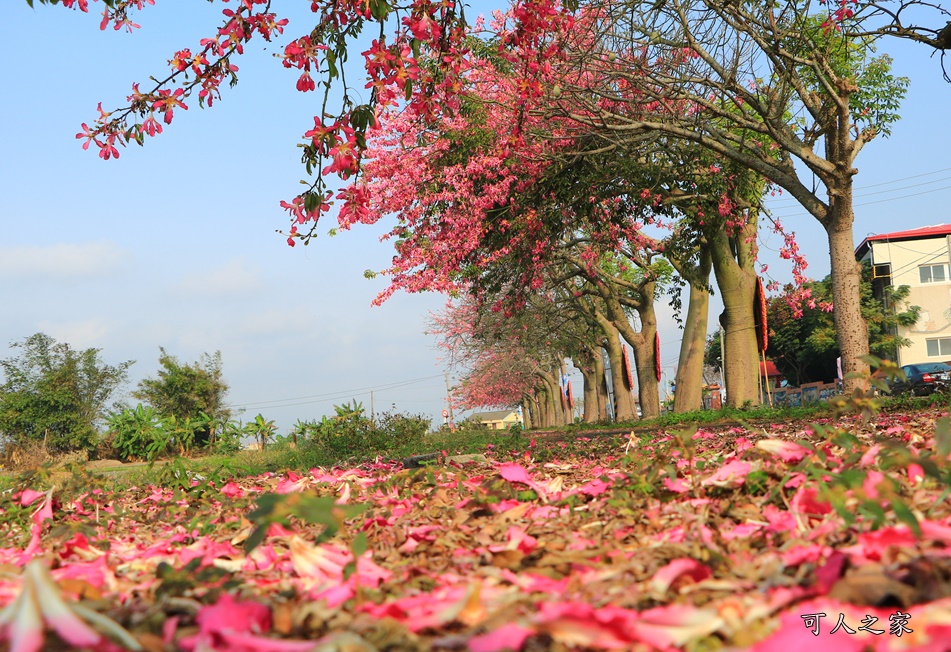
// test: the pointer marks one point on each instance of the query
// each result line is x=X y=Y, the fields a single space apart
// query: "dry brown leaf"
x=511 y=559
x=871 y=586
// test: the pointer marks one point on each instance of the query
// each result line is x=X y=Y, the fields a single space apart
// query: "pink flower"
x=29 y=496
x=305 y=83
x=677 y=485
x=507 y=637
x=916 y=474
x=664 y=578
x=732 y=474
x=40 y=605
x=233 y=626
x=232 y=490
x=788 y=451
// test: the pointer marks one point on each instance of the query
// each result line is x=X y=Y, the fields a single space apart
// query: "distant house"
x=769 y=374
x=501 y=420
x=918 y=258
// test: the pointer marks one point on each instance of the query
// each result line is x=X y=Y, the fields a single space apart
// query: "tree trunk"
x=645 y=363
x=544 y=407
x=526 y=415
x=688 y=395
x=624 y=409
x=590 y=397
x=850 y=327
x=554 y=410
x=602 y=387
x=737 y=284
x=586 y=365
x=643 y=346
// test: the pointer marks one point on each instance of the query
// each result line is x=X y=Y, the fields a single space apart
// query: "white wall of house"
x=923 y=265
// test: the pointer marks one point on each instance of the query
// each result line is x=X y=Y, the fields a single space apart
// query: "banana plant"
x=262 y=429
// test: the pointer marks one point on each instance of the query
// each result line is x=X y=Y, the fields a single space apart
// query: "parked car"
x=923 y=379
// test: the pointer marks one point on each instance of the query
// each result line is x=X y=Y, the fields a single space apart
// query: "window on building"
x=932 y=273
x=939 y=346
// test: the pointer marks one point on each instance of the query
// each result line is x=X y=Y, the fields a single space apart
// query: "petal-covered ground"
x=777 y=537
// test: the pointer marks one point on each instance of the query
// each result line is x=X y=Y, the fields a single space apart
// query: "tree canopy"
x=188 y=390
x=56 y=394
x=803 y=345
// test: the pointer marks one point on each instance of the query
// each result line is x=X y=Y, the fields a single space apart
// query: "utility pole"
x=371 y=408
x=726 y=390
x=449 y=402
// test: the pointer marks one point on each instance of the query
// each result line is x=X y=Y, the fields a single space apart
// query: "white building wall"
x=907 y=257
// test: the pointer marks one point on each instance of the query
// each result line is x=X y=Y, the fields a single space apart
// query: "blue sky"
x=174 y=244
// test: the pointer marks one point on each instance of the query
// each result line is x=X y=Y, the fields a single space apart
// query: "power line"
x=879 y=201
x=885 y=183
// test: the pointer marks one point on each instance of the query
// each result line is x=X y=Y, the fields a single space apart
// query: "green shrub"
x=138 y=433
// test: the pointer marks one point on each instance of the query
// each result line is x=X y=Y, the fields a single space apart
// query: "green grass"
x=353 y=447
x=282 y=457
x=711 y=417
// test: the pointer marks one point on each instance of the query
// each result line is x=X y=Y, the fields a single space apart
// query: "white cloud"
x=235 y=278
x=61 y=260
x=79 y=334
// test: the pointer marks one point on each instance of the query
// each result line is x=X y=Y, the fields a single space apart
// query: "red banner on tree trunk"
x=627 y=367
x=759 y=312
x=657 y=355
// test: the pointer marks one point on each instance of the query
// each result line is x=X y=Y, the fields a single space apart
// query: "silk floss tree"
x=785 y=91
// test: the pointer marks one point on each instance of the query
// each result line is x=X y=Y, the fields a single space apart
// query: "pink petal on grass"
x=916 y=474
x=243 y=642
x=806 y=501
x=936 y=531
x=317 y=562
x=676 y=485
x=229 y=615
x=794 y=633
x=595 y=488
x=684 y=567
x=23 y=624
x=57 y=613
x=44 y=511
x=507 y=637
x=787 y=451
x=869 y=456
x=232 y=490
x=741 y=531
x=29 y=496
x=515 y=473
x=870 y=485
x=580 y=624
x=675 y=625
x=732 y=474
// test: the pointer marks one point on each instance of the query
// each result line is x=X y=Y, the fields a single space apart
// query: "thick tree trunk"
x=545 y=410
x=624 y=409
x=526 y=415
x=737 y=284
x=556 y=410
x=641 y=342
x=850 y=327
x=536 y=406
x=602 y=385
x=590 y=394
x=645 y=361
x=689 y=384
x=586 y=365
